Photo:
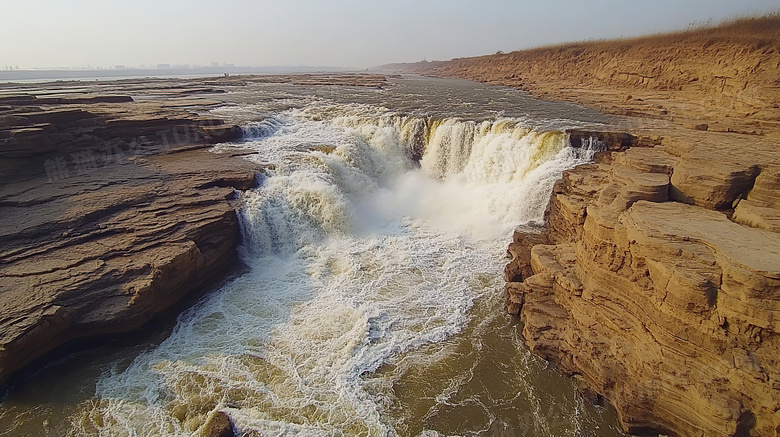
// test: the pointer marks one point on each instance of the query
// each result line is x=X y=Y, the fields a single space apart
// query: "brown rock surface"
x=657 y=279
x=111 y=214
x=217 y=425
x=760 y=208
x=668 y=310
x=104 y=252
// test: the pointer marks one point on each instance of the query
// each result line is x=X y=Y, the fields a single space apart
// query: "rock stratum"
x=113 y=209
x=656 y=282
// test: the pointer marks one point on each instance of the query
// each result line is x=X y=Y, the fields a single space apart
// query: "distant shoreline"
x=39 y=76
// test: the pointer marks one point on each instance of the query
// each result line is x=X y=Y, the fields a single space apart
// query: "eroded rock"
x=111 y=214
x=668 y=310
x=217 y=425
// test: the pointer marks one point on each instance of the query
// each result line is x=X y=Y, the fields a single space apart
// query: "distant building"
x=163 y=66
x=226 y=65
x=119 y=67
x=215 y=64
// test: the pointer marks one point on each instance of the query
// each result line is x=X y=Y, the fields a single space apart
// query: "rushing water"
x=371 y=300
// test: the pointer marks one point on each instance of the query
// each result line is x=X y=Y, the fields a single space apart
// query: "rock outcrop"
x=104 y=252
x=668 y=309
x=112 y=212
x=217 y=425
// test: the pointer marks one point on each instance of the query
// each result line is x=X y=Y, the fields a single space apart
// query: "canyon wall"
x=654 y=300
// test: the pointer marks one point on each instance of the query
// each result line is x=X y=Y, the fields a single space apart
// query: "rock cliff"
x=656 y=282
x=657 y=302
x=112 y=212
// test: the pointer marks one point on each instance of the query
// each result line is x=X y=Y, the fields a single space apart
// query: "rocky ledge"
x=656 y=293
x=112 y=211
x=656 y=282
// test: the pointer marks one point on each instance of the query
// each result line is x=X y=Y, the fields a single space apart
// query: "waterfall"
x=372 y=236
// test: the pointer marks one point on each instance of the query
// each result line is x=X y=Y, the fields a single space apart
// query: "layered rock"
x=112 y=212
x=668 y=309
x=759 y=209
x=104 y=252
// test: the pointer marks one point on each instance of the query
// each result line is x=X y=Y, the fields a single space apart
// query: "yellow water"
x=372 y=302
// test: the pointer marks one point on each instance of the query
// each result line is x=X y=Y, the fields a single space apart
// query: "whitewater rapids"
x=374 y=248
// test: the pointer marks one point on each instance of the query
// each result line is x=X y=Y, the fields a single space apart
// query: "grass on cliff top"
x=751 y=33
x=754 y=32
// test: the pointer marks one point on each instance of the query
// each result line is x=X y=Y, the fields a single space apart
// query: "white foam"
x=355 y=257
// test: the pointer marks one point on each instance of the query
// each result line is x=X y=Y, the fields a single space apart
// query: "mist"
x=346 y=33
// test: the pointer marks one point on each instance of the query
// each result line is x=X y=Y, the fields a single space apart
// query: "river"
x=369 y=301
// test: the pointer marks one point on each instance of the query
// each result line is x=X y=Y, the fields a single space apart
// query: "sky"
x=345 y=33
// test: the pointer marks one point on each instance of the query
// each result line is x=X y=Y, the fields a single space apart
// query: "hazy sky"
x=78 y=33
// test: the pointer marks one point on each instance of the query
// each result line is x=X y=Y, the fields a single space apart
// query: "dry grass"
x=755 y=32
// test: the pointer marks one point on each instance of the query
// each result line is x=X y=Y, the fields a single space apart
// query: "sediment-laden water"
x=371 y=302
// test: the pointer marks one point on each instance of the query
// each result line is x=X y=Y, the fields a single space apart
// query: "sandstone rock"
x=26 y=100
x=17 y=100
x=711 y=183
x=217 y=425
x=766 y=191
x=566 y=210
x=666 y=309
x=13 y=121
x=104 y=252
x=63 y=118
x=28 y=141
x=221 y=133
x=30 y=134
x=752 y=214
x=519 y=252
x=108 y=218
x=90 y=100
x=761 y=209
x=515 y=297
